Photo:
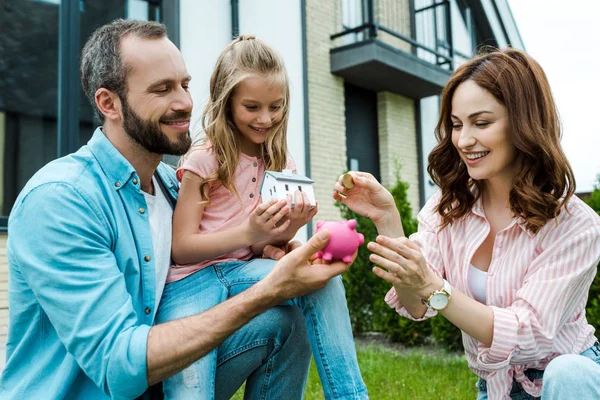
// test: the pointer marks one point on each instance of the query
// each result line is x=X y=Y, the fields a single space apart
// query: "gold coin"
x=347 y=181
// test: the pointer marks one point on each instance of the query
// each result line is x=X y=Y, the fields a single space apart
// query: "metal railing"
x=431 y=31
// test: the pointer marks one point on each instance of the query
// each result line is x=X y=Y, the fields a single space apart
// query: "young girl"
x=504 y=251
x=219 y=225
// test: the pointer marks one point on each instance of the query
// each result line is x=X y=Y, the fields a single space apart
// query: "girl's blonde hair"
x=244 y=57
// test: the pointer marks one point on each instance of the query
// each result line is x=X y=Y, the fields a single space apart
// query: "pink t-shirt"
x=225 y=209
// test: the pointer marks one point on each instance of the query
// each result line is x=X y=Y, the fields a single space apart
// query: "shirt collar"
x=113 y=163
x=519 y=220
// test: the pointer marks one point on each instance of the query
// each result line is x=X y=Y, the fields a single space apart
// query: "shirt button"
x=134 y=181
x=147 y=258
x=253 y=179
x=255 y=164
x=142 y=211
x=251 y=195
x=147 y=311
x=117 y=184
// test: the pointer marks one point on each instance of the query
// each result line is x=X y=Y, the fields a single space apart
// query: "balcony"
x=415 y=59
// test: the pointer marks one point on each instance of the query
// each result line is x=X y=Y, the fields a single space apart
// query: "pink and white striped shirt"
x=537 y=286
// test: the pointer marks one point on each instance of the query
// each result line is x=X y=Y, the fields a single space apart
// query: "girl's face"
x=256 y=107
x=480 y=133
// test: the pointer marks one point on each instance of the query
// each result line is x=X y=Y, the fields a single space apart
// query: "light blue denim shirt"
x=82 y=280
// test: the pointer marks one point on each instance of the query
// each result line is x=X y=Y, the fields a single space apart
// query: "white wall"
x=205 y=31
x=495 y=23
x=430 y=111
x=461 y=38
x=279 y=24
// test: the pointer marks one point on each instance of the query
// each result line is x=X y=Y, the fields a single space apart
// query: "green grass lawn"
x=410 y=374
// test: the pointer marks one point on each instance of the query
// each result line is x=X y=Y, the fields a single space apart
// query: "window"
x=352 y=17
x=41 y=119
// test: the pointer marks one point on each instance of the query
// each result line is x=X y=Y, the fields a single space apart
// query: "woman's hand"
x=401 y=262
x=367 y=198
x=267 y=220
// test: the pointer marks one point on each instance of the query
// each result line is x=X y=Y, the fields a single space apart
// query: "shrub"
x=365 y=291
x=593 y=305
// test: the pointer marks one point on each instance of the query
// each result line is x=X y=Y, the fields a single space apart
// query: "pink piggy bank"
x=343 y=240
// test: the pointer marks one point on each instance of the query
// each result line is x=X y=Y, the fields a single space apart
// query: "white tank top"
x=477 y=280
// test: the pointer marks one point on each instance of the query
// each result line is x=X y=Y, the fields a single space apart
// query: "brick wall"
x=394 y=15
x=398 y=143
x=325 y=104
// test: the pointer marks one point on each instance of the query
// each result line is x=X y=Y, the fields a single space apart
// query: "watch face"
x=438 y=301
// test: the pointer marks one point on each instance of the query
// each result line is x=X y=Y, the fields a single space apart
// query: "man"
x=89 y=246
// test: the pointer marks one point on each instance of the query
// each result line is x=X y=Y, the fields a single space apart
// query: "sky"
x=564 y=37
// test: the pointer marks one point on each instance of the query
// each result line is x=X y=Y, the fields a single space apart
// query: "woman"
x=504 y=250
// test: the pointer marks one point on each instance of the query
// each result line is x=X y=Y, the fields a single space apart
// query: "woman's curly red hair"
x=545 y=180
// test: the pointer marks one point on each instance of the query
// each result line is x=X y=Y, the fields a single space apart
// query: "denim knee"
x=565 y=368
x=571 y=376
x=280 y=324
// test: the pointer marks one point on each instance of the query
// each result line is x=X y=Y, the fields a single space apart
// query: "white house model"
x=277 y=185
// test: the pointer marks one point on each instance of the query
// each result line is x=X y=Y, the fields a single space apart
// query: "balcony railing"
x=430 y=25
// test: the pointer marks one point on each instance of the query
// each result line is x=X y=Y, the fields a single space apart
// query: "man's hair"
x=545 y=180
x=101 y=63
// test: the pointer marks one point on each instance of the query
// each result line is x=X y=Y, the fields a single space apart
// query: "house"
x=277 y=185
x=365 y=80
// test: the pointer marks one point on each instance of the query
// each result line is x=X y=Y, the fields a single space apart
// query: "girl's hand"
x=401 y=262
x=367 y=198
x=302 y=213
x=266 y=221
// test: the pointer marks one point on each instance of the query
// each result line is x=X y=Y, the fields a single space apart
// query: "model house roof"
x=288 y=176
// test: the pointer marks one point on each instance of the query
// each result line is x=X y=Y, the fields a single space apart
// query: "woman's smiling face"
x=480 y=133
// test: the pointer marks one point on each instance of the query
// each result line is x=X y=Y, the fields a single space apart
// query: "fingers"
x=262 y=207
x=340 y=189
x=390 y=266
x=312 y=212
x=391 y=278
x=336 y=268
x=314 y=244
x=275 y=211
x=300 y=200
x=338 y=197
x=387 y=252
x=349 y=182
x=279 y=229
x=402 y=246
x=273 y=252
x=293 y=245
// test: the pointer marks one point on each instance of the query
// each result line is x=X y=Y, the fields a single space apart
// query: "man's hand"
x=299 y=272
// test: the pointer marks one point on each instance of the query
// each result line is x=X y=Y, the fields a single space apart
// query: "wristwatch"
x=439 y=299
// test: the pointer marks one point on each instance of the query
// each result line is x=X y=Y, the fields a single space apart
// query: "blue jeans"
x=326 y=317
x=569 y=376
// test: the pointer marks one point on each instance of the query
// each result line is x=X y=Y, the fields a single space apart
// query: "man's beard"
x=149 y=135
